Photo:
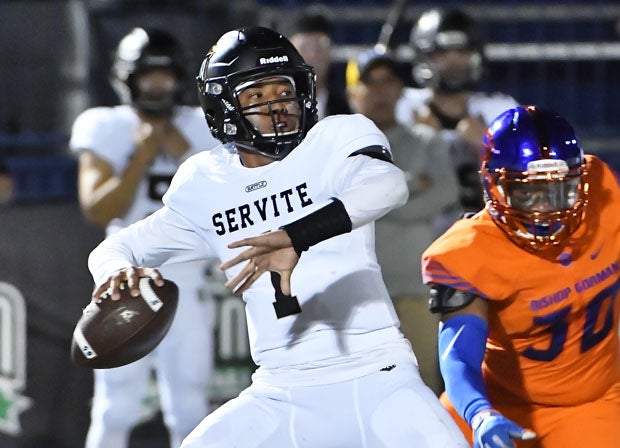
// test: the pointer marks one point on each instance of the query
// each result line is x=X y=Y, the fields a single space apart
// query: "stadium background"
x=54 y=62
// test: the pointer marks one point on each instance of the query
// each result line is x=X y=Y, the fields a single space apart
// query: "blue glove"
x=493 y=430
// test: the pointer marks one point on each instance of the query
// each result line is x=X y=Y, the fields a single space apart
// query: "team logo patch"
x=256 y=186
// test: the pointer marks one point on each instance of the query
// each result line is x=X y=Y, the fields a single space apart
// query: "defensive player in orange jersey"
x=528 y=292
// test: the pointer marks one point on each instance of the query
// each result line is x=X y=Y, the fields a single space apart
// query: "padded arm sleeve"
x=163 y=237
x=462 y=341
x=370 y=188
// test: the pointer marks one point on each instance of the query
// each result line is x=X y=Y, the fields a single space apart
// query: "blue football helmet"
x=534 y=177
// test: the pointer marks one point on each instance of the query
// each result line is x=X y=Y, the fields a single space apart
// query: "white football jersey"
x=109 y=132
x=486 y=105
x=214 y=200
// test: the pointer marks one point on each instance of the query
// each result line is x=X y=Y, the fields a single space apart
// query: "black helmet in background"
x=241 y=57
x=440 y=30
x=139 y=51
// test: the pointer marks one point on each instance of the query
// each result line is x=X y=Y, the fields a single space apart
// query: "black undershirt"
x=446 y=121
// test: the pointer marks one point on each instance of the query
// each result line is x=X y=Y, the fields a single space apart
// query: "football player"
x=127 y=156
x=289 y=204
x=528 y=290
x=448 y=65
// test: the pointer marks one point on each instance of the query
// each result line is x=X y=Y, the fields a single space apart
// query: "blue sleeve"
x=462 y=341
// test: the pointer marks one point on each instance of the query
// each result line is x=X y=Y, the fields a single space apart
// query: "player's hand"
x=269 y=252
x=493 y=430
x=148 y=141
x=160 y=135
x=127 y=277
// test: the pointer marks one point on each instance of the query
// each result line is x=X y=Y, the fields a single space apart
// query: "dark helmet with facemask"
x=139 y=51
x=440 y=30
x=240 y=58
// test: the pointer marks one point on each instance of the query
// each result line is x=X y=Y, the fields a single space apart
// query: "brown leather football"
x=114 y=333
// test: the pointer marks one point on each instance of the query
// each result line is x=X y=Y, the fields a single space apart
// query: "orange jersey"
x=553 y=317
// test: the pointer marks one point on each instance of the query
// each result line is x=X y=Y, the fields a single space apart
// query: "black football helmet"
x=243 y=56
x=441 y=30
x=141 y=50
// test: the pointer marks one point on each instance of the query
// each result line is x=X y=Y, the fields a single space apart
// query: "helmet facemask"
x=277 y=136
x=236 y=125
x=539 y=208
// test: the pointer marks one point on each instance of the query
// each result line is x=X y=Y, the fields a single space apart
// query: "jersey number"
x=284 y=305
x=557 y=326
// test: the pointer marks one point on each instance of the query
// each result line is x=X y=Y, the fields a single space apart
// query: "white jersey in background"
x=109 y=132
x=485 y=105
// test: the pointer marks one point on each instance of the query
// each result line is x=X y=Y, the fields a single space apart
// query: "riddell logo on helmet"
x=228 y=105
x=273 y=60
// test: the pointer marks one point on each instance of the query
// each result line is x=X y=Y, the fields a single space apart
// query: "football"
x=114 y=333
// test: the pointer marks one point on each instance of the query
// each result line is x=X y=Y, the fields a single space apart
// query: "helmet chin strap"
x=255 y=148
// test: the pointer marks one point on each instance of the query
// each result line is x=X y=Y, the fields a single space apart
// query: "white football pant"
x=387 y=409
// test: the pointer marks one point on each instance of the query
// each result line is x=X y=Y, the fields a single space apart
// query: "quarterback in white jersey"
x=289 y=206
x=128 y=155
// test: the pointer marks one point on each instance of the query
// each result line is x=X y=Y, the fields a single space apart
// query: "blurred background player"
x=127 y=157
x=374 y=84
x=7 y=186
x=311 y=34
x=289 y=204
x=449 y=63
x=528 y=292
